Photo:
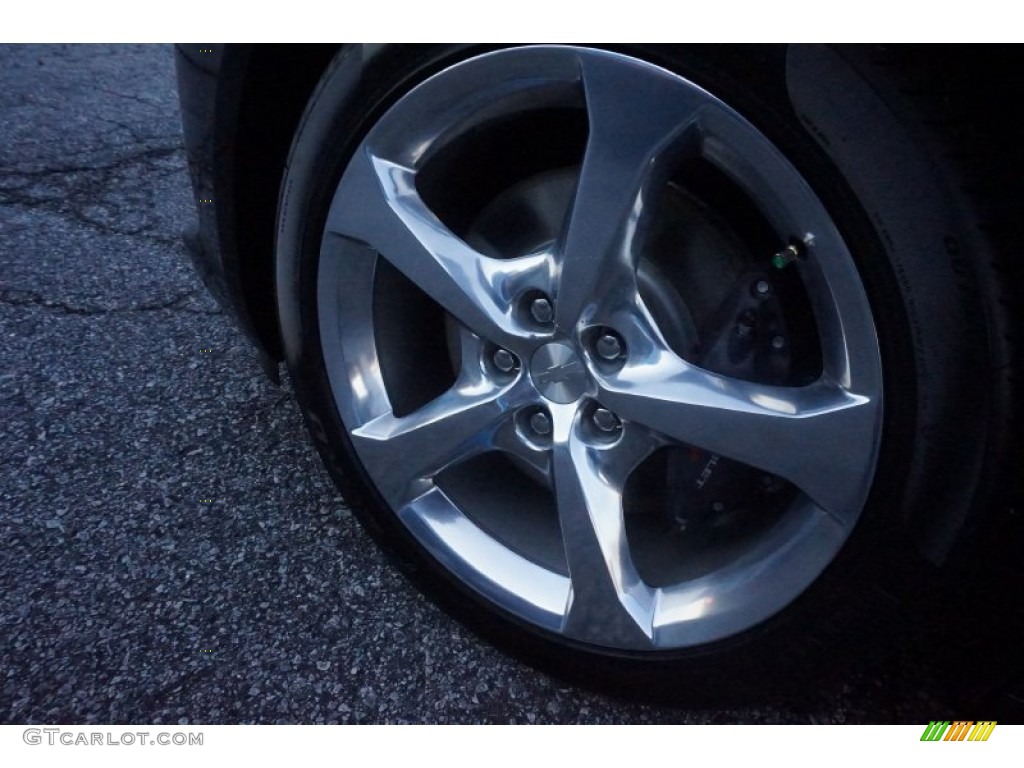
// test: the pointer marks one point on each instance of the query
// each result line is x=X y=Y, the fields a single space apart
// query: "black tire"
x=916 y=243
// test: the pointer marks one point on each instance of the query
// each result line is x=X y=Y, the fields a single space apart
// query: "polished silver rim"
x=518 y=474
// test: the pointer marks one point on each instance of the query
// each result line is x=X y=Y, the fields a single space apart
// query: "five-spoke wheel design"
x=600 y=347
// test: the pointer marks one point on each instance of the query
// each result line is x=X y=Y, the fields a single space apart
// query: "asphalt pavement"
x=172 y=550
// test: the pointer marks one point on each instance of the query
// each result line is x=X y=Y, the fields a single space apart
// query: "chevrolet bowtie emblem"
x=560 y=372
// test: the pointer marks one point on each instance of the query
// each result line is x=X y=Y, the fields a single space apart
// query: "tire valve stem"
x=795 y=251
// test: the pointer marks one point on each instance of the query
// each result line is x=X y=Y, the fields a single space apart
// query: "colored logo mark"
x=958 y=730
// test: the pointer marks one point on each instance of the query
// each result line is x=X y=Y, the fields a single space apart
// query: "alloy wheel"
x=600 y=347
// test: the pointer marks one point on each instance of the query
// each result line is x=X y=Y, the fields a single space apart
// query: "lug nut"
x=609 y=346
x=540 y=423
x=541 y=310
x=605 y=420
x=504 y=361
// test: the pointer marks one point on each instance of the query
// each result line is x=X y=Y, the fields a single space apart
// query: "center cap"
x=558 y=373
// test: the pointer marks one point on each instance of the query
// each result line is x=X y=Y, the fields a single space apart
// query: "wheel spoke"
x=806 y=435
x=378 y=205
x=405 y=453
x=507 y=439
x=609 y=604
x=620 y=174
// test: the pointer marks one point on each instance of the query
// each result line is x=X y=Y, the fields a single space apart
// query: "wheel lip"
x=434 y=526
